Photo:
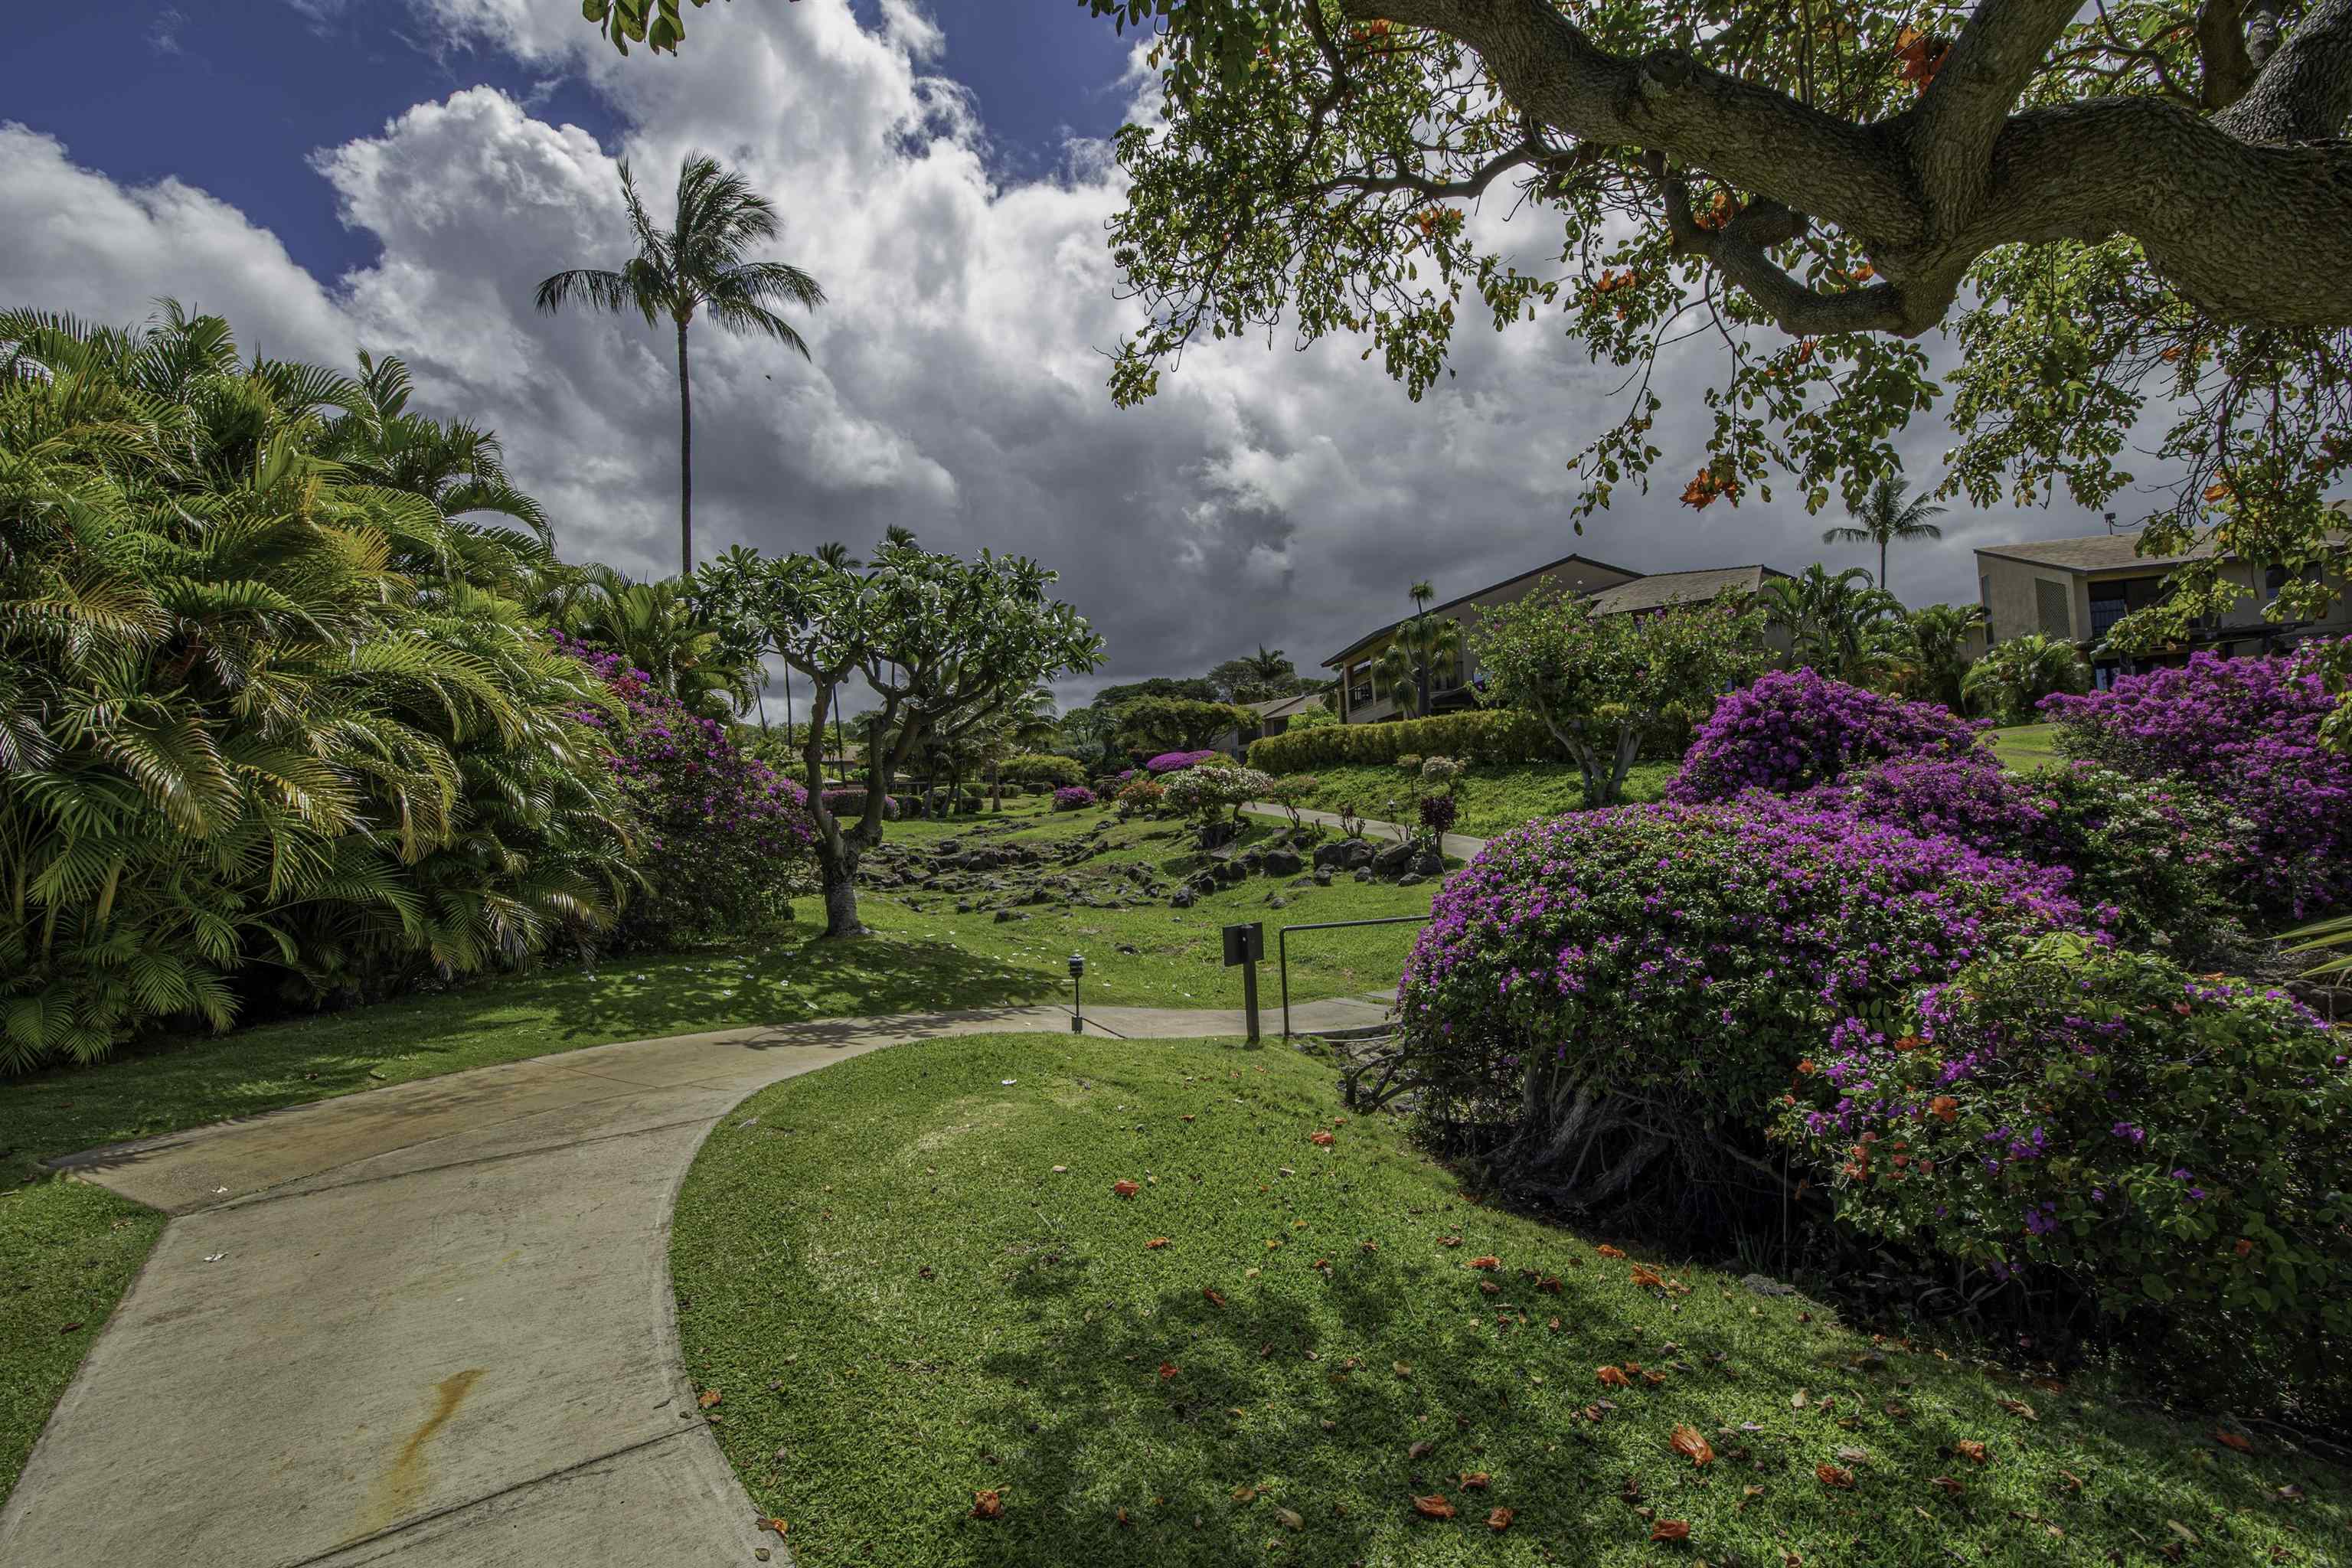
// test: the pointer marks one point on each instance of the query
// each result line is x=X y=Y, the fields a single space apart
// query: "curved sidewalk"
x=1459 y=846
x=432 y=1323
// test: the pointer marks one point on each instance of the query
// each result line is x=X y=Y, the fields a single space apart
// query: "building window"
x=2272 y=580
x=2054 y=608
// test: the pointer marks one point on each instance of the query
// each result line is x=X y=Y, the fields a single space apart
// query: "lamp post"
x=1077 y=974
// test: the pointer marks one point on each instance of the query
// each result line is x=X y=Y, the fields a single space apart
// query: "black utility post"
x=1077 y=973
x=1244 y=945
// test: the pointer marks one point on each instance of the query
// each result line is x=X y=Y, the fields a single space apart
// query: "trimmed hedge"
x=1481 y=735
x=1042 y=768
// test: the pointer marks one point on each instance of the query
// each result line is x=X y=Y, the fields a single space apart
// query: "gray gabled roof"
x=1695 y=587
x=1336 y=659
x=1283 y=707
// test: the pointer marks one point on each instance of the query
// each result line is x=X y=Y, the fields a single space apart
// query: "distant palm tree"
x=1421 y=648
x=1842 y=627
x=696 y=265
x=1269 y=664
x=1885 y=518
x=1937 y=638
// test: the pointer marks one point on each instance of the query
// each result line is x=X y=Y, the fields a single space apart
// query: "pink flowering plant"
x=1681 y=959
x=1073 y=797
x=1168 y=763
x=2248 y=731
x=2086 y=1112
x=1794 y=729
x=721 y=839
x=1141 y=795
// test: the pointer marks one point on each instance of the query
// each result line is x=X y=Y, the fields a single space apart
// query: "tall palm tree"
x=1887 y=517
x=696 y=265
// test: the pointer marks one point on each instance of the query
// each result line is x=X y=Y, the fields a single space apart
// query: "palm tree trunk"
x=1881 y=564
x=685 y=459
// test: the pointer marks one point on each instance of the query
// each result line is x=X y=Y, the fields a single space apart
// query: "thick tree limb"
x=2303 y=89
x=1953 y=129
x=1925 y=194
x=1752 y=136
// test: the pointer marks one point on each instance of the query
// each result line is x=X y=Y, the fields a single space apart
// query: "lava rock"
x=1345 y=855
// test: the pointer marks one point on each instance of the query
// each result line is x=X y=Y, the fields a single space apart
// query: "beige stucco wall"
x=2013 y=610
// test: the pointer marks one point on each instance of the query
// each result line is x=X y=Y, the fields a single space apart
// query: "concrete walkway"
x=1458 y=846
x=430 y=1324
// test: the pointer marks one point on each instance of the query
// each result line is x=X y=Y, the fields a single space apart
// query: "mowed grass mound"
x=1153 y=954
x=900 y=1302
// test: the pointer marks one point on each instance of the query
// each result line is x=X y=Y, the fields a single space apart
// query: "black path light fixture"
x=1077 y=974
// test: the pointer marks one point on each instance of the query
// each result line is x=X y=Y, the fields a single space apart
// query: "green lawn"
x=2025 y=746
x=908 y=1280
x=1494 y=798
x=68 y=1250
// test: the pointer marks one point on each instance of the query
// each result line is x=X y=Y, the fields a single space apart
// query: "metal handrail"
x=1282 y=948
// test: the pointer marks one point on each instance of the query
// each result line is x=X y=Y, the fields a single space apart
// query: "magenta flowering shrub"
x=1793 y=728
x=2246 y=731
x=721 y=840
x=2156 y=1141
x=1175 y=762
x=2154 y=857
x=1073 y=797
x=1689 y=955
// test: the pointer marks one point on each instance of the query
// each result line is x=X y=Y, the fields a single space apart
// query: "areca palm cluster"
x=273 y=715
x=654 y=627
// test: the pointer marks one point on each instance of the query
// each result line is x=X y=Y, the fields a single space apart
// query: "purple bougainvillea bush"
x=2163 y=1141
x=1176 y=761
x=1793 y=728
x=2155 y=856
x=1684 y=958
x=2247 y=731
x=721 y=840
x=1073 y=797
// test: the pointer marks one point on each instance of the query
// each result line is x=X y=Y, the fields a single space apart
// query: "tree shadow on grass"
x=1209 y=1423
x=166 y=1085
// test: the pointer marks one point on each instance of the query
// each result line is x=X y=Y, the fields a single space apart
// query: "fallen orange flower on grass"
x=1688 y=1440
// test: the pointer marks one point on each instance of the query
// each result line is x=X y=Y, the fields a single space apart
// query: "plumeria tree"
x=1175 y=723
x=1603 y=683
x=946 y=645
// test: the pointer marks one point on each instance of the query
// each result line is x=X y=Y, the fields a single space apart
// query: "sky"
x=397 y=175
